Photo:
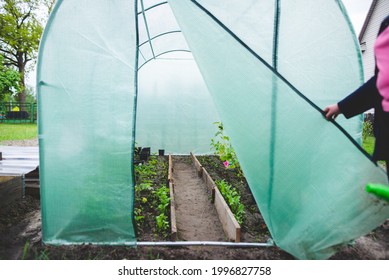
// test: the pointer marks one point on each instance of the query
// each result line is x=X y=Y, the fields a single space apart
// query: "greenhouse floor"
x=20 y=230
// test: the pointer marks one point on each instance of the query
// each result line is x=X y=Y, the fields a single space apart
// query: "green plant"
x=232 y=198
x=163 y=198
x=223 y=148
x=43 y=255
x=144 y=172
x=139 y=218
x=162 y=223
x=151 y=200
x=25 y=250
x=142 y=187
x=367 y=130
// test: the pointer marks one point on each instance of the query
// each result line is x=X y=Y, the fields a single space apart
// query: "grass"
x=22 y=131
x=368 y=144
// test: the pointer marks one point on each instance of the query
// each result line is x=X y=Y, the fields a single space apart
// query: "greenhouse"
x=113 y=75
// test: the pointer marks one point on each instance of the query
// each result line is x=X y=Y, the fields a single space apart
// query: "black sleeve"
x=361 y=100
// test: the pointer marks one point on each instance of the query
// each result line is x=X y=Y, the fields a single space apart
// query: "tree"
x=9 y=80
x=20 y=32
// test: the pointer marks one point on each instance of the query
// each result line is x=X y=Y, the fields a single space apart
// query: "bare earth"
x=196 y=216
x=20 y=143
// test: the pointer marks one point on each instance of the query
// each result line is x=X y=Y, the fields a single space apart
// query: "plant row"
x=151 y=211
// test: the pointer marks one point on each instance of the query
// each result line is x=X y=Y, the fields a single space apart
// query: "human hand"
x=332 y=111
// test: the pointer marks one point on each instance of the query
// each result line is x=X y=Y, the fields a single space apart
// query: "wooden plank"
x=11 y=188
x=208 y=181
x=197 y=165
x=33 y=189
x=202 y=172
x=173 y=222
x=170 y=170
x=230 y=225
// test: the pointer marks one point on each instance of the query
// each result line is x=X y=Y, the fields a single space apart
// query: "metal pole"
x=23 y=186
x=205 y=243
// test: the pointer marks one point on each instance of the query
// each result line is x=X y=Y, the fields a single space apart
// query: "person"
x=373 y=94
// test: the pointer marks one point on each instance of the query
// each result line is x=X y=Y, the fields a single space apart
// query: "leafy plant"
x=9 y=80
x=142 y=187
x=162 y=222
x=223 y=148
x=163 y=198
x=139 y=218
x=25 y=250
x=367 y=130
x=232 y=197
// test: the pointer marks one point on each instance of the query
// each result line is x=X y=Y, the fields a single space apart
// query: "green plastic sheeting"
x=113 y=73
x=174 y=109
x=308 y=177
x=86 y=85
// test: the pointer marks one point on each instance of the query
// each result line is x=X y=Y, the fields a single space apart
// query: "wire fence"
x=16 y=112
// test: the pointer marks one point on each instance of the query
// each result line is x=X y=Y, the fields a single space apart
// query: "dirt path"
x=196 y=216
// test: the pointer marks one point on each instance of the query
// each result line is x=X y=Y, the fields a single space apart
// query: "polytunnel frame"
x=150 y=39
x=240 y=41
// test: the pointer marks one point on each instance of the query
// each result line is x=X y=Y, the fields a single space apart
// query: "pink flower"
x=226 y=164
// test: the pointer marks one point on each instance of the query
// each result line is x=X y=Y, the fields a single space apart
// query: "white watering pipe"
x=205 y=243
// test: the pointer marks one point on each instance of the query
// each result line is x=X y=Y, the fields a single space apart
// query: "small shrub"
x=367 y=130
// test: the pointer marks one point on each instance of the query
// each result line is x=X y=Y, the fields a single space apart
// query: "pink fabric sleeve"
x=381 y=50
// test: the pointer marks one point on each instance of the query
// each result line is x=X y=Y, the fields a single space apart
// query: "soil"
x=20 y=231
x=196 y=216
x=253 y=228
x=22 y=143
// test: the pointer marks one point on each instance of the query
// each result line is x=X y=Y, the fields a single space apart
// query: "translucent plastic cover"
x=110 y=69
x=175 y=110
x=307 y=175
x=86 y=87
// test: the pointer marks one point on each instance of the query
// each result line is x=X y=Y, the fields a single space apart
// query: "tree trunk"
x=22 y=90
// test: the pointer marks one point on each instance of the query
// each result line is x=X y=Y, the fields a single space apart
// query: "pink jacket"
x=381 y=49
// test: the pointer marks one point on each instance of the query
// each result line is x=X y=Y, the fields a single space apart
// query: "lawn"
x=368 y=144
x=21 y=131
x=29 y=131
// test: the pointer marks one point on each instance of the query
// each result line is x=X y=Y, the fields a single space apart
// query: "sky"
x=356 y=9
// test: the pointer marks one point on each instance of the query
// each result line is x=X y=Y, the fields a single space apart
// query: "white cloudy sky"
x=356 y=9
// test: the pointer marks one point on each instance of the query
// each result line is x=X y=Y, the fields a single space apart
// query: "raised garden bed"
x=253 y=228
x=152 y=199
x=11 y=189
